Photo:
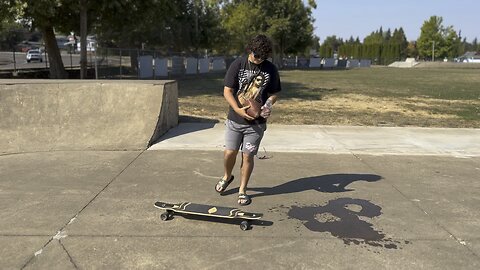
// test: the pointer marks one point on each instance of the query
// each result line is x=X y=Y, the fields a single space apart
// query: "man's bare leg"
x=247 y=168
x=229 y=159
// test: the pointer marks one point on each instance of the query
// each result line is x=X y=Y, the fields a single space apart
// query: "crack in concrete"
x=60 y=233
x=68 y=254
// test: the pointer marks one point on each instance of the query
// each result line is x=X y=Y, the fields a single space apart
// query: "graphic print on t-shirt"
x=251 y=84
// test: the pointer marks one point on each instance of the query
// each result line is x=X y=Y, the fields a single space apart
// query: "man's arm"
x=267 y=107
x=228 y=94
x=273 y=98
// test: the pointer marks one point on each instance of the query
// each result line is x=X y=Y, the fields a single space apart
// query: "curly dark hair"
x=261 y=45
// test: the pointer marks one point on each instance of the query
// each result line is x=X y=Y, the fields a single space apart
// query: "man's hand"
x=243 y=113
x=266 y=109
x=228 y=94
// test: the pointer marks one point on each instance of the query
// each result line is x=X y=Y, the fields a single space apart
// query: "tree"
x=291 y=26
x=431 y=39
x=287 y=22
x=316 y=43
x=411 y=50
x=400 y=39
x=9 y=9
x=210 y=31
x=374 y=38
x=374 y=46
x=452 y=43
x=475 y=45
x=330 y=45
x=41 y=14
x=241 y=21
x=174 y=25
x=11 y=34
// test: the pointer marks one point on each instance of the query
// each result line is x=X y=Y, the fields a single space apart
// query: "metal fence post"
x=106 y=61
x=46 y=59
x=96 y=67
x=71 y=60
x=121 y=64
x=14 y=62
x=138 y=68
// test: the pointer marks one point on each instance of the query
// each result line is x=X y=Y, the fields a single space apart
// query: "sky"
x=359 y=18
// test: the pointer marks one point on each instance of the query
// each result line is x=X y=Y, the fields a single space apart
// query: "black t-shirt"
x=244 y=74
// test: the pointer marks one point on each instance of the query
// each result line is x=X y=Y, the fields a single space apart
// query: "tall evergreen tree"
x=330 y=46
x=400 y=39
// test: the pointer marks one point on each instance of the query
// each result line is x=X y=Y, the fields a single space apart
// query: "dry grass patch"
x=366 y=97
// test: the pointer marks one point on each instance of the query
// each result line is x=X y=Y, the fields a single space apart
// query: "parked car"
x=472 y=60
x=91 y=44
x=34 y=55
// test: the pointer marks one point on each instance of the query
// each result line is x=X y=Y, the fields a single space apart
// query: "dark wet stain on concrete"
x=347 y=219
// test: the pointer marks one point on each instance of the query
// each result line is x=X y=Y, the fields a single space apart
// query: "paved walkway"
x=335 y=140
x=332 y=198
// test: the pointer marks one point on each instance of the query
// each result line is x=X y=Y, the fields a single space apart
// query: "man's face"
x=255 y=58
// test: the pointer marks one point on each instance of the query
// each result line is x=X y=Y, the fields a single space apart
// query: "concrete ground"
x=332 y=198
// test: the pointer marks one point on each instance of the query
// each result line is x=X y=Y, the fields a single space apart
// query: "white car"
x=471 y=60
x=34 y=55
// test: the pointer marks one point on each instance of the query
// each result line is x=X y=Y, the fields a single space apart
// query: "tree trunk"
x=57 y=70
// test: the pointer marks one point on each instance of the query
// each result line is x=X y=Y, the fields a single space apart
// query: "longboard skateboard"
x=209 y=211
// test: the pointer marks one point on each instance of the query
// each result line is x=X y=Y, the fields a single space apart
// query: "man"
x=243 y=128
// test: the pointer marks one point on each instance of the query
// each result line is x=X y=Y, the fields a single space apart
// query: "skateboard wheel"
x=165 y=216
x=245 y=225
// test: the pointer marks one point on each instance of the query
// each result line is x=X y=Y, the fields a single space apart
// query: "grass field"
x=360 y=97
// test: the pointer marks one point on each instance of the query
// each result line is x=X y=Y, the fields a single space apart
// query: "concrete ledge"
x=47 y=115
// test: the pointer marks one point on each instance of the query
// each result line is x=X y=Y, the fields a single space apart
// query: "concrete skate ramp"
x=48 y=115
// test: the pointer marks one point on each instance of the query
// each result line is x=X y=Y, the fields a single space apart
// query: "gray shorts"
x=248 y=136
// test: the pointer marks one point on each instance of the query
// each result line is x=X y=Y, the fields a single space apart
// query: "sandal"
x=246 y=199
x=223 y=184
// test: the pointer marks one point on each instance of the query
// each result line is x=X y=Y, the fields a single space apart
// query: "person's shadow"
x=329 y=183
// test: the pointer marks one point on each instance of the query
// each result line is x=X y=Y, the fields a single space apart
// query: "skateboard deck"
x=209 y=211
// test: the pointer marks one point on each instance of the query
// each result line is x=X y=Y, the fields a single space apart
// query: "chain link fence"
x=118 y=63
x=115 y=63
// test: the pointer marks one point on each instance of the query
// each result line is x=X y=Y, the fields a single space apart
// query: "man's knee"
x=248 y=157
x=230 y=153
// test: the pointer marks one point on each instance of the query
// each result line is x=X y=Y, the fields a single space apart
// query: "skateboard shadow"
x=329 y=183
